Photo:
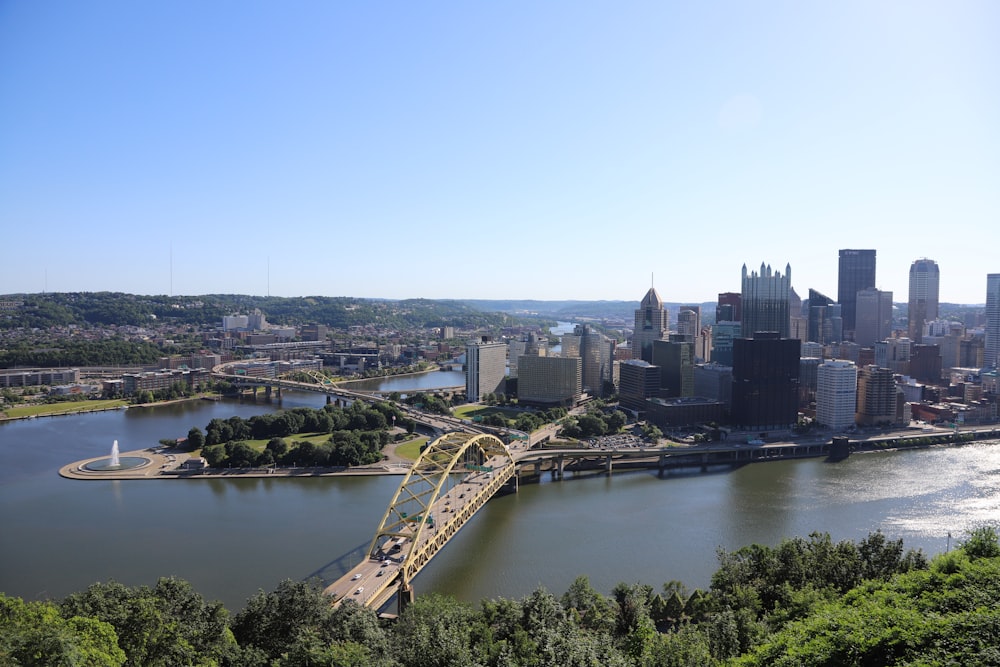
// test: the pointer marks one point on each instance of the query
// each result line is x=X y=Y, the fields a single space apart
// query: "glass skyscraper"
x=856 y=272
x=925 y=278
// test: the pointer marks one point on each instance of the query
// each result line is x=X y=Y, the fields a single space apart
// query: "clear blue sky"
x=549 y=150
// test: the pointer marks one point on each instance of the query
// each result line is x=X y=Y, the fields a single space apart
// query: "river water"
x=231 y=537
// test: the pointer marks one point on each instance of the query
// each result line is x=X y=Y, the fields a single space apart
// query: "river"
x=231 y=537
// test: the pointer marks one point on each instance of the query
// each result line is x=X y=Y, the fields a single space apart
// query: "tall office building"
x=689 y=323
x=548 y=381
x=723 y=334
x=765 y=381
x=651 y=323
x=991 y=356
x=874 y=317
x=894 y=354
x=675 y=358
x=485 y=369
x=729 y=307
x=639 y=380
x=826 y=323
x=923 y=305
x=765 y=301
x=515 y=350
x=714 y=381
x=876 y=397
x=856 y=272
x=836 y=393
x=596 y=351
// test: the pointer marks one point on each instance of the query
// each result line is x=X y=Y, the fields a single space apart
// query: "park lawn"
x=411 y=449
x=315 y=438
x=472 y=411
x=66 y=408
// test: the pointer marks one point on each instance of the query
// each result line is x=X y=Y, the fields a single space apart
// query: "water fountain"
x=116 y=463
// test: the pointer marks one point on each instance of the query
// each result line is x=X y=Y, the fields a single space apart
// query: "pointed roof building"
x=652 y=322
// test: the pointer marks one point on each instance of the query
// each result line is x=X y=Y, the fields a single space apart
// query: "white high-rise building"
x=486 y=369
x=992 y=348
x=836 y=393
x=232 y=322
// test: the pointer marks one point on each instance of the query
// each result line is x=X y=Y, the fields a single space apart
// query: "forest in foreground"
x=807 y=601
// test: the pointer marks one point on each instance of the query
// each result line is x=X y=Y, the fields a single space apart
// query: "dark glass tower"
x=765 y=382
x=856 y=272
x=765 y=301
x=925 y=277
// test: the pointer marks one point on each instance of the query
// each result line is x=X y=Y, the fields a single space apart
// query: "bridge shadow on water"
x=339 y=566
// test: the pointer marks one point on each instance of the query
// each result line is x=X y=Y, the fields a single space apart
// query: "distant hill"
x=568 y=310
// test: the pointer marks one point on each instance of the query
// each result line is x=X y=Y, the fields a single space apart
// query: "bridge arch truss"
x=470 y=466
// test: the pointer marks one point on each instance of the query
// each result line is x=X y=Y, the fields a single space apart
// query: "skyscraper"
x=729 y=308
x=485 y=369
x=856 y=272
x=675 y=358
x=874 y=317
x=876 y=397
x=596 y=351
x=992 y=355
x=651 y=323
x=923 y=305
x=765 y=301
x=836 y=393
x=765 y=381
x=826 y=323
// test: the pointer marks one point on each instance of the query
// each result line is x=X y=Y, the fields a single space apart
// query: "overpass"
x=451 y=480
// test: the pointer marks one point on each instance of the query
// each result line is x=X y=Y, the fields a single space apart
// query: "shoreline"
x=85 y=410
x=170 y=464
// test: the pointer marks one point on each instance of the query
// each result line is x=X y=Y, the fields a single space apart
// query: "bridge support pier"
x=267 y=391
x=559 y=468
x=329 y=399
x=404 y=597
x=608 y=464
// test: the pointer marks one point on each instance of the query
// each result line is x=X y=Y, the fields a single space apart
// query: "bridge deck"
x=403 y=550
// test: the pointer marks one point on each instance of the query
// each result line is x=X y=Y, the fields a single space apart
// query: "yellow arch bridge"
x=453 y=477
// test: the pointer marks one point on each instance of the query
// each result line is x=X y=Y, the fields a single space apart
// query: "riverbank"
x=84 y=407
x=173 y=464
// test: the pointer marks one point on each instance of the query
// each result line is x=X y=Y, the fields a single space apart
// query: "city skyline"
x=402 y=152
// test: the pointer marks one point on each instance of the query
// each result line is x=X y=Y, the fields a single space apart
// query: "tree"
x=616 y=420
x=272 y=623
x=591 y=424
x=34 y=633
x=167 y=625
x=434 y=631
x=982 y=543
x=278 y=448
x=214 y=455
x=195 y=439
x=592 y=610
x=241 y=455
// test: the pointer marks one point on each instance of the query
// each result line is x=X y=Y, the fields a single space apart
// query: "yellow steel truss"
x=408 y=515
